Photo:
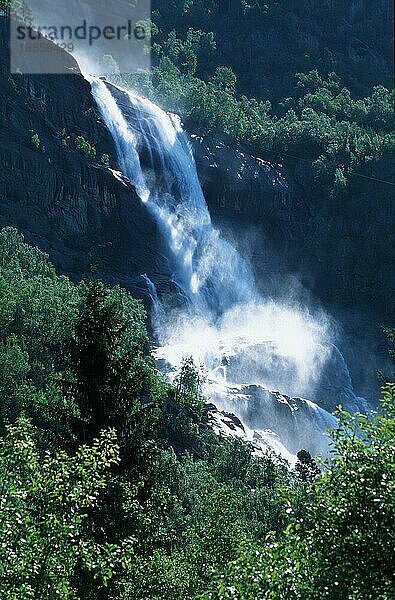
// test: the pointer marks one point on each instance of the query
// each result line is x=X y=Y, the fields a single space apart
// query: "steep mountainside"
x=55 y=188
x=60 y=187
x=266 y=43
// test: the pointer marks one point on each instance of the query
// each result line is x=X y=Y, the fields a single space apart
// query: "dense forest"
x=114 y=484
x=290 y=80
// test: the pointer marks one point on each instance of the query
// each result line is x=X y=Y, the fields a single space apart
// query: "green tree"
x=36 y=309
x=225 y=79
x=341 y=545
x=105 y=160
x=44 y=500
x=34 y=140
x=306 y=467
x=109 y=370
x=85 y=147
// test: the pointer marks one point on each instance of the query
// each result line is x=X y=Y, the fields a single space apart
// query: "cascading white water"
x=210 y=271
x=242 y=340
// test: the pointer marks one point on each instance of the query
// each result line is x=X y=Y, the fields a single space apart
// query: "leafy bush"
x=85 y=147
x=44 y=501
x=341 y=544
x=35 y=141
x=167 y=509
x=105 y=160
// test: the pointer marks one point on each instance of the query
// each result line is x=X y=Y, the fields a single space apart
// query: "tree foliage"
x=113 y=485
x=44 y=501
x=342 y=544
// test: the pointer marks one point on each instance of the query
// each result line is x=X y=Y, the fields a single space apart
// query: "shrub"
x=35 y=141
x=105 y=160
x=85 y=147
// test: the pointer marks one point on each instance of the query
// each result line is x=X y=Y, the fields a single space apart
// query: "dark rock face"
x=338 y=250
x=83 y=213
x=295 y=421
x=91 y=222
x=236 y=182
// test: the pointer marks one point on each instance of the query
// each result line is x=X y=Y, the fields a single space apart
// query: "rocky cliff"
x=60 y=185
x=339 y=250
x=59 y=182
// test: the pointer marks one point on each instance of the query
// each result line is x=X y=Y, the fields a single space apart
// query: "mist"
x=274 y=363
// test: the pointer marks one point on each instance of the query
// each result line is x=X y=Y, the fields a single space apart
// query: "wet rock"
x=70 y=204
x=274 y=416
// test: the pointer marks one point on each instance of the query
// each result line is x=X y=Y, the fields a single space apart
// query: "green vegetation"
x=266 y=43
x=285 y=95
x=105 y=160
x=79 y=142
x=113 y=485
x=340 y=539
x=44 y=499
x=35 y=141
x=85 y=147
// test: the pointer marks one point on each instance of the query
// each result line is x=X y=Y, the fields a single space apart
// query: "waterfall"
x=247 y=343
x=209 y=270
